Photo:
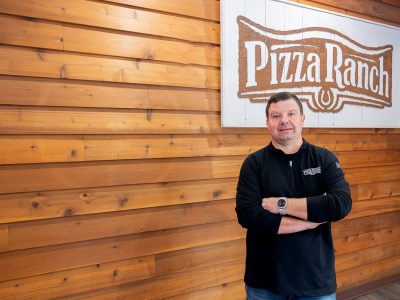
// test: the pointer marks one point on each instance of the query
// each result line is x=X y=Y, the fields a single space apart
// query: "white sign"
x=345 y=70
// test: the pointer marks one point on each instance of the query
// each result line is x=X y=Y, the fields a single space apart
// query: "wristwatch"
x=282 y=204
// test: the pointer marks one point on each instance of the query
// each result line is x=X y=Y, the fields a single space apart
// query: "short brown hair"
x=282 y=96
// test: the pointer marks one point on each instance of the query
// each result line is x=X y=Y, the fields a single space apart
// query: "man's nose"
x=284 y=119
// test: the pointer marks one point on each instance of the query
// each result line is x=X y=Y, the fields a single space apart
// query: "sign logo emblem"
x=325 y=68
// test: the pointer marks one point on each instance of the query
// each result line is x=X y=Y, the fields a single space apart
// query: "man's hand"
x=292 y=225
x=271 y=204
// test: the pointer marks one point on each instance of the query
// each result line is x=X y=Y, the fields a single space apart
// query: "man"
x=287 y=196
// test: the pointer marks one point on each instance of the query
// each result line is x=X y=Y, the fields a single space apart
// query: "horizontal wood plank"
x=359 y=241
x=24 y=32
x=344 y=11
x=64 y=283
x=352 y=141
x=16 y=150
x=44 y=35
x=227 y=291
x=74 y=229
x=367 y=273
x=371 y=8
x=38 y=177
x=114 y=147
x=369 y=158
x=205 y=9
x=22 y=120
x=143 y=48
x=46 y=120
x=52 y=204
x=182 y=260
x=371 y=207
x=55 y=121
x=349 y=227
x=174 y=284
x=3 y=236
x=72 y=93
x=378 y=190
x=230 y=166
x=125 y=147
x=369 y=175
x=226 y=166
x=110 y=16
x=365 y=256
x=28 y=178
x=25 y=263
x=45 y=149
x=53 y=64
x=391 y=2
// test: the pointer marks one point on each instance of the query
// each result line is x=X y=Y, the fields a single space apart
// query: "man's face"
x=285 y=122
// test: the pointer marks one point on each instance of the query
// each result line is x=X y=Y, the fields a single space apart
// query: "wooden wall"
x=116 y=179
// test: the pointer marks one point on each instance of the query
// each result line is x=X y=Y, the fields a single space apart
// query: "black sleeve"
x=249 y=210
x=335 y=204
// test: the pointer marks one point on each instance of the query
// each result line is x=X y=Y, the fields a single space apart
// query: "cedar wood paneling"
x=116 y=179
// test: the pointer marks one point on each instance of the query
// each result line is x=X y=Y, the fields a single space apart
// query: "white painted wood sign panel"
x=345 y=70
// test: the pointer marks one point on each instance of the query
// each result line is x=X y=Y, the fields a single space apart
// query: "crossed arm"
x=297 y=211
x=302 y=213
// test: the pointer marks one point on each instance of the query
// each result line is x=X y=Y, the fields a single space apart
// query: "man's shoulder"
x=258 y=154
x=256 y=157
x=319 y=150
x=321 y=153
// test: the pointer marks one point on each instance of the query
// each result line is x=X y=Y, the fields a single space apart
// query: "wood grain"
x=227 y=291
x=75 y=93
x=378 y=190
x=64 y=283
x=367 y=273
x=378 y=221
x=21 y=149
x=38 y=177
x=206 y=9
x=174 y=284
x=115 y=17
x=182 y=260
x=55 y=64
x=370 y=207
x=360 y=241
x=368 y=7
x=52 y=204
x=27 y=235
x=25 y=263
x=365 y=256
x=28 y=149
x=22 y=120
x=45 y=35
x=358 y=13
x=120 y=272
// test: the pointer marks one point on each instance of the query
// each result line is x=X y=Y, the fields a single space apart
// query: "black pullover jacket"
x=302 y=263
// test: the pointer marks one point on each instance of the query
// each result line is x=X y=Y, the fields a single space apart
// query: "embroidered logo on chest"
x=312 y=171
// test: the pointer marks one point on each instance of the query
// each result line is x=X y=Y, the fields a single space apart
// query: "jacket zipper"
x=291 y=176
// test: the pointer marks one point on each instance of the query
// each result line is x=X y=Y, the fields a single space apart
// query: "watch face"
x=281 y=203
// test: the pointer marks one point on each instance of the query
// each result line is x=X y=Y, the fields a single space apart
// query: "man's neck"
x=289 y=147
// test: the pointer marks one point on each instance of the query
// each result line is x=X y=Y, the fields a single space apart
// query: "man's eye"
x=275 y=116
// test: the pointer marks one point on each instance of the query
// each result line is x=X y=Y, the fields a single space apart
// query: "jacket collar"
x=280 y=153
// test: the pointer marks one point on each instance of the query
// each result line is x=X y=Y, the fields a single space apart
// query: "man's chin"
x=286 y=136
